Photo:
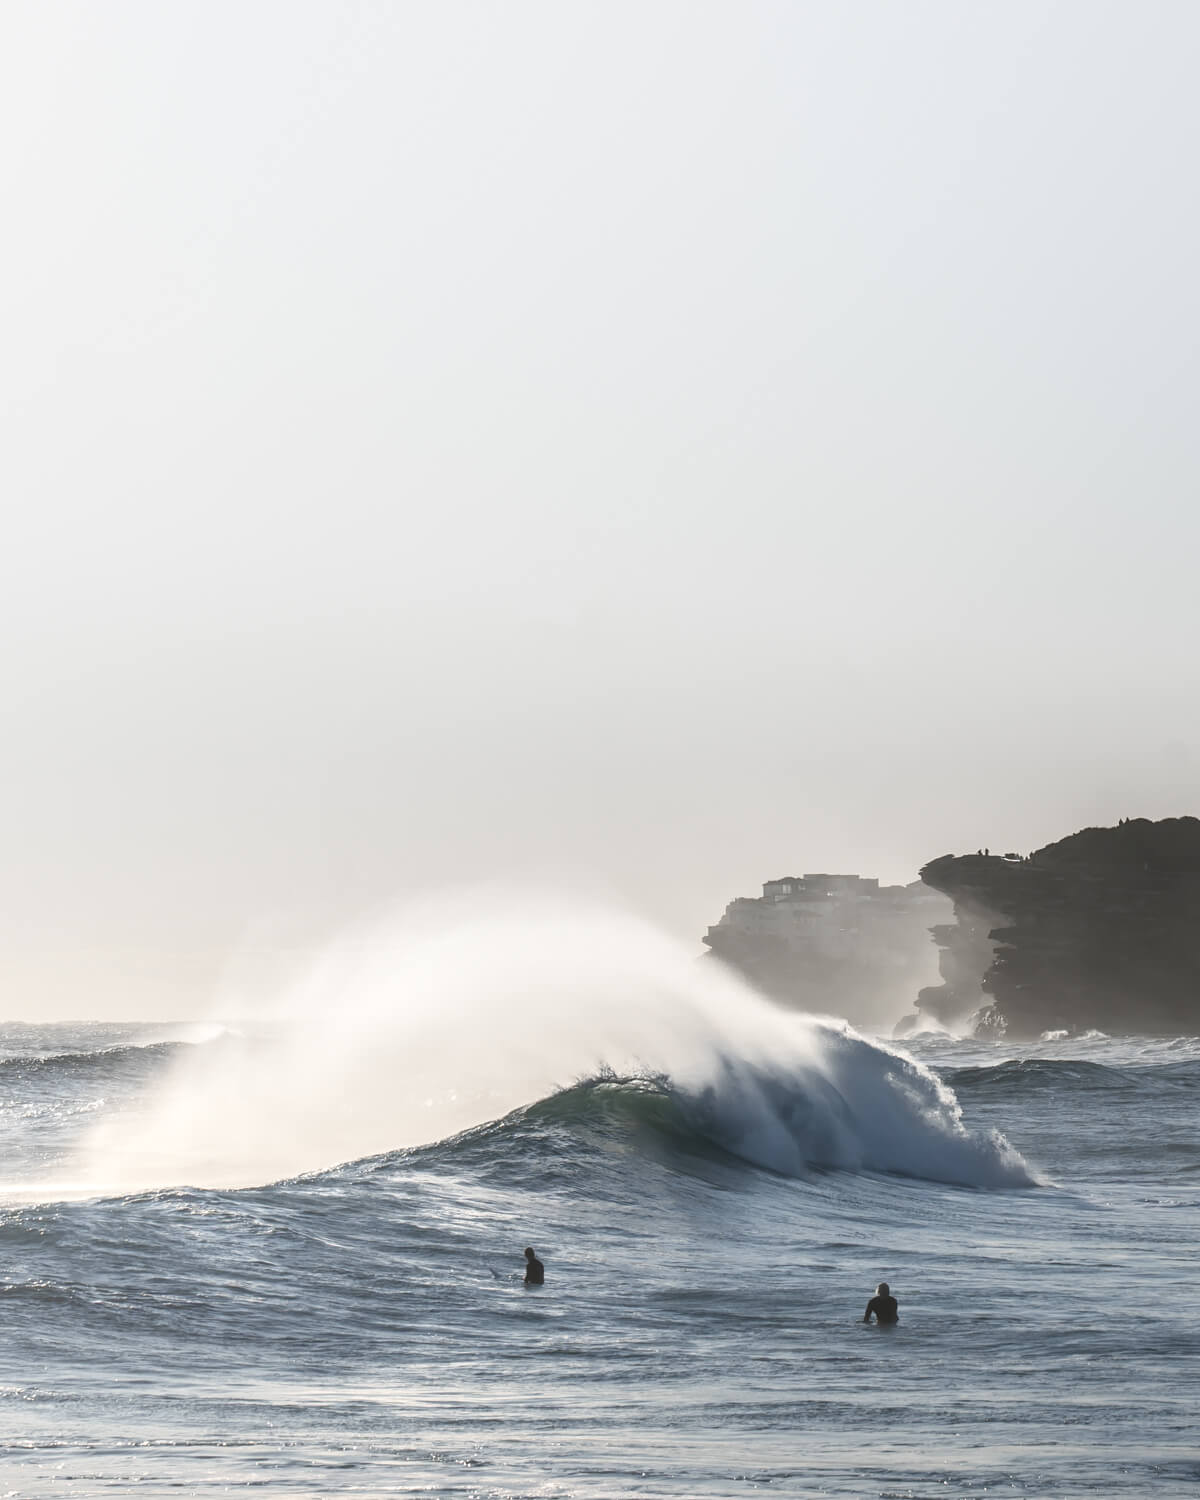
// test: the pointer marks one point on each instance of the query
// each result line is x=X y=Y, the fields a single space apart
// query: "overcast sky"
x=652 y=446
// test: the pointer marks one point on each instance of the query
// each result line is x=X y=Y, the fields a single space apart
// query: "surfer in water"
x=883 y=1305
x=535 y=1272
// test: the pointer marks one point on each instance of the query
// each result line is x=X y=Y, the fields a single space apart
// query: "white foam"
x=840 y=1100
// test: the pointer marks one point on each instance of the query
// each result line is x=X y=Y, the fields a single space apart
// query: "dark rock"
x=1099 y=930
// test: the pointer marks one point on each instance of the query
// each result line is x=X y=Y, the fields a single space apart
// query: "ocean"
x=282 y=1253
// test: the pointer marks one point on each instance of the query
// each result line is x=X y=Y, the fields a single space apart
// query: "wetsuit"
x=884 y=1308
x=535 y=1272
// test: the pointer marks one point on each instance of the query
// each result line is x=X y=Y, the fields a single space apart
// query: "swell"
x=101 y=1059
x=1026 y=1075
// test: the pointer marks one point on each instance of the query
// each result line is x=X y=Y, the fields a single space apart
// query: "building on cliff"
x=834 y=944
x=1100 y=930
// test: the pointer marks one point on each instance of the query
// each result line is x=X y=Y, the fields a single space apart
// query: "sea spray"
x=454 y=1011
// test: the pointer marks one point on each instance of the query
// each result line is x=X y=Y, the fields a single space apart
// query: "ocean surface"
x=358 y=1326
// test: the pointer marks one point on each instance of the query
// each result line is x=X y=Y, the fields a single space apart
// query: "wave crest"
x=875 y=1111
x=102 y=1057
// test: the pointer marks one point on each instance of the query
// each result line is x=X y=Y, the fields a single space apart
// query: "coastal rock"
x=1100 y=930
x=838 y=945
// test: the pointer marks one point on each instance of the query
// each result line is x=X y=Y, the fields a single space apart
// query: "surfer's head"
x=883 y=1290
x=528 y=1252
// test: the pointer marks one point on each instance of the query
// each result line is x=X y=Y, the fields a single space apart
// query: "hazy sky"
x=660 y=446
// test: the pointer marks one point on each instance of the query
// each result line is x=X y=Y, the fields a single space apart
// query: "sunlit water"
x=362 y=1329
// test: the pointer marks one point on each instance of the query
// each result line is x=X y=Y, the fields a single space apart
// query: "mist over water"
x=454 y=1011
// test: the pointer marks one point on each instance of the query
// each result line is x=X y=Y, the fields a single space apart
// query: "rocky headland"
x=1100 y=930
x=834 y=944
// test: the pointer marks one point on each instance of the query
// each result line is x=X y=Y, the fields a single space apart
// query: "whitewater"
x=282 y=1251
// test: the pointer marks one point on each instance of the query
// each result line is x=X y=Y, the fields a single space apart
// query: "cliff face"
x=834 y=944
x=1101 y=929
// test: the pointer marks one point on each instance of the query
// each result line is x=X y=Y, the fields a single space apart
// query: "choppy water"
x=361 y=1328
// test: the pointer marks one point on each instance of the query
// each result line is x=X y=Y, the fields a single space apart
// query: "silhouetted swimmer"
x=535 y=1272
x=883 y=1305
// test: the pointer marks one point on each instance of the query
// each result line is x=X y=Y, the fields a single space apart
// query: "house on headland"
x=834 y=944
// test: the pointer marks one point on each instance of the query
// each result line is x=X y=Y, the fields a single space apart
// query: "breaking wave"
x=874 y=1111
x=431 y=1023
